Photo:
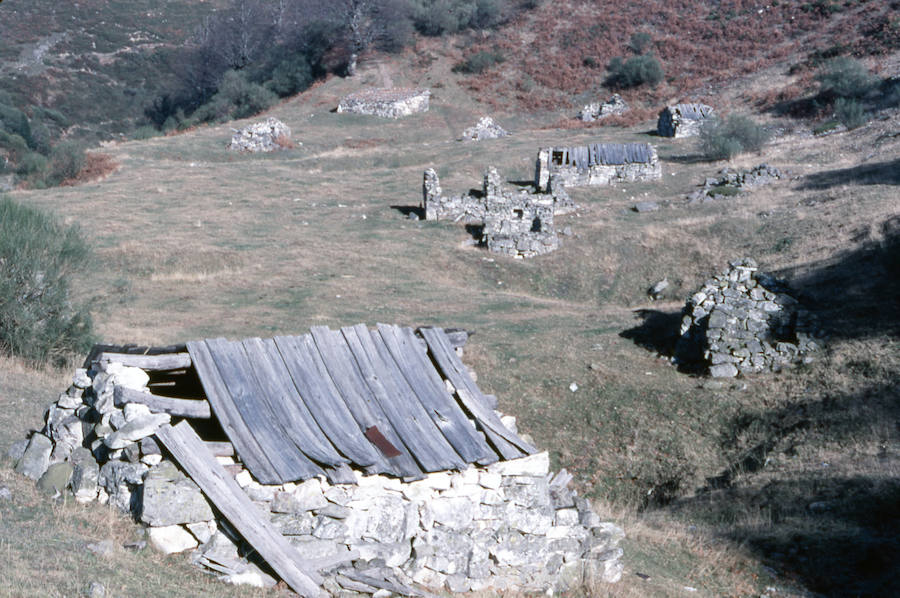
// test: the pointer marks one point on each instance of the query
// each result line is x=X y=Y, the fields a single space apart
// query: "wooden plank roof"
x=382 y=400
x=608 y=154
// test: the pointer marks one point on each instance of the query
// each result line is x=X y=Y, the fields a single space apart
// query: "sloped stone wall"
x=387 y=103
x=508 y=525
x=744 y=321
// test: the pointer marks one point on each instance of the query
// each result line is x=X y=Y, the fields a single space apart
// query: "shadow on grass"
x=687 y=159
x=838 y=536
x=855 y=294
x=880 y=173
x=657 y=332
x=407 y=210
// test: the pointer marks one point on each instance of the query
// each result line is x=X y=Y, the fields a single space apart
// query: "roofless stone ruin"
x=682 y=120
x=353 y=460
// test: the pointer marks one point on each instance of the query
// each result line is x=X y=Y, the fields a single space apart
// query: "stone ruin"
x=744 y=321
x=682 y=120
x=267 y=136
x=485 y=128
x=387 y=103
x=595 y=164
x=515 y=221
x=730 y=182
x=508 y=525
x=597 y=111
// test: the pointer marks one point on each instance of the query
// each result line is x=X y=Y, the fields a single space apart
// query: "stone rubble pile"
x=516 y=221
x=267 y=136
x=387 y=103
x=508 y=525
x=596 y=110
x=744 y=321
x=485 y=128
x=729 y=181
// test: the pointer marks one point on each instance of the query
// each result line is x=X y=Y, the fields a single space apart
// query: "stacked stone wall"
x=553 y=172
x=743 y=321
x=508 y=525
x=683 y=120
x=267 y=136
x=387 y=103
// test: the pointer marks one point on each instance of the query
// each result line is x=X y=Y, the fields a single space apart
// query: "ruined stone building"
x=387 y=103
x=595 y=164
x=682 y=120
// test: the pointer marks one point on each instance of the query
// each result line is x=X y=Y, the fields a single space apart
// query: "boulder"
x=36 y=458
x=169 y=497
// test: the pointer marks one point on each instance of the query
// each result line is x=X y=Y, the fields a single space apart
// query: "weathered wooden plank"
x=220 y=449
x=430 y=388
x=328 y=409
x=193 y=408
x=229 y=417
x=406 y=414
x=247 y=395
x=508 y=444
x=163 y=362
x=187 y=448
x=347 y=378
x=286 y=404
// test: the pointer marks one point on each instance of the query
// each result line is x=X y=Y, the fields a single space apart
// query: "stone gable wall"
x=683 y=120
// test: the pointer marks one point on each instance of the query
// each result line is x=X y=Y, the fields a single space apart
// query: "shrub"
x=14 y=121
x=437 y=17
x=724 y=139
x=850 y=113
x=843 y=77
x=637 y=70
x=31 y=163
x=236 y=98
x=479 y=62
x=639 y=42
x=38 y=320
x=291 y=76
x=66 y=161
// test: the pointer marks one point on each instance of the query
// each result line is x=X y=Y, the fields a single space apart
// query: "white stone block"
x=171 y=539
x=537 y=465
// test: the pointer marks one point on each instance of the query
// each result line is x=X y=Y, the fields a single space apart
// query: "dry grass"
x=195 y=242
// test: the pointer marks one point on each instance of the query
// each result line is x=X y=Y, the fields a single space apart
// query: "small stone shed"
x=353 y=460
x=595 y=164
x=387 y=103
x=682 y=120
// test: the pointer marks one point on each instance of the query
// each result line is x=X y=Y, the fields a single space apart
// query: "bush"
x=844 y=77
x=639 y=42
x=637 y=70
x=479 y=62
x=66 y=161
x=724 y=139
x=38 y=320
x=236 y=98
x=291 y=76
x=850 y=113
x=31 y=163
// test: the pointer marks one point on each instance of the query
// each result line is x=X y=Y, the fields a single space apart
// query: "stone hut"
x=682 y=120
x=745 y=321
x=595 y=164
x=266 y=136
x=353 y=460
x=387 y=103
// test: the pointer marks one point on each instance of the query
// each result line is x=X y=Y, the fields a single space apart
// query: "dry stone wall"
x=682 y=120
x=267 y=136
x=515 y=221
x=512 y=524
x=595 y=164
x=387 y=103
x=597 y=111
x=744 y=321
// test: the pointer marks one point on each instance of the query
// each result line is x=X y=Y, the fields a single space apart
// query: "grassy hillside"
x=713 y=482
